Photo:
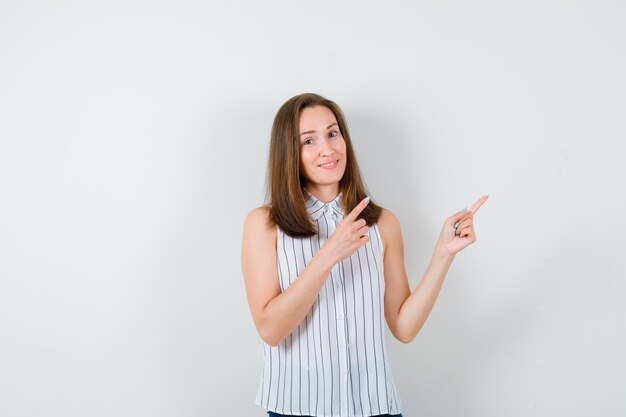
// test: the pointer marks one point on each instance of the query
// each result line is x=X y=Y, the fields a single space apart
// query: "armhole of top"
x=277 y=237
x=379 y=238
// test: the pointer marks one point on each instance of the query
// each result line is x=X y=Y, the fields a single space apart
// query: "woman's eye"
x=307 y=142
x=333 y=134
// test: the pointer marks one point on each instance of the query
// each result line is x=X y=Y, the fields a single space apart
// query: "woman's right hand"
x=349 y=235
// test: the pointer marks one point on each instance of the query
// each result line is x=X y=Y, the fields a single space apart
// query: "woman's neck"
x=324 y=193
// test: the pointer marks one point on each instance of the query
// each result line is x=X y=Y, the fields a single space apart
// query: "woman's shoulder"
x=386 y=218
x=259 y=245
x=263 y=210
x=259 y=229
x=388 y=226
x=259 y=217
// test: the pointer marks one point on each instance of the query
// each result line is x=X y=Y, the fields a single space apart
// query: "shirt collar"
x=316 y=208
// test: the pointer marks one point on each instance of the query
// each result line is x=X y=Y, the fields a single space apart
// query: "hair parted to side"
x=285 y=182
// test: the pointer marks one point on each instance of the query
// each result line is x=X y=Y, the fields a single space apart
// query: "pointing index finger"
x=358 y=208
x=478 y=203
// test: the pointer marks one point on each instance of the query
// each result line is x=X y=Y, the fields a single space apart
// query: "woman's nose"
x=325 y=147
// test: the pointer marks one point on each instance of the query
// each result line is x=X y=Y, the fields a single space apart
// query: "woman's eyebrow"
x=313 y=131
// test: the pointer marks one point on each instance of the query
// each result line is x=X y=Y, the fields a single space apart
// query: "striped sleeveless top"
x=335 y=362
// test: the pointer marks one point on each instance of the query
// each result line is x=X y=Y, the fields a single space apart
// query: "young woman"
x=323 y=267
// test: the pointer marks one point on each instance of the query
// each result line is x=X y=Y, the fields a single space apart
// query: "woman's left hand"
x=453 y=240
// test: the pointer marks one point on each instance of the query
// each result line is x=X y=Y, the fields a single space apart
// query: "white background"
x=134 y=139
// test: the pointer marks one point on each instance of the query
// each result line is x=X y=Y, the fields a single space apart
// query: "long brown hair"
x=285 y=182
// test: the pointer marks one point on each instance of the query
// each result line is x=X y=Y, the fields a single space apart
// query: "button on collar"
x=316 y=207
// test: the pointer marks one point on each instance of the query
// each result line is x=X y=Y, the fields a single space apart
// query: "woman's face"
x=322 y=148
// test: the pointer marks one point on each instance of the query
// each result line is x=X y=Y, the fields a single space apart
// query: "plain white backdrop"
x=134 y=139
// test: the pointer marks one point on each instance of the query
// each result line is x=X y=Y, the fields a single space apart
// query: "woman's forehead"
x=315 y=118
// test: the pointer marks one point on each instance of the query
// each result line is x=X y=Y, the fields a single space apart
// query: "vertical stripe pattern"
x=334 y=363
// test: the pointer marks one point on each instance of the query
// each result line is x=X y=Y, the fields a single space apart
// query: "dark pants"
x=273 y=414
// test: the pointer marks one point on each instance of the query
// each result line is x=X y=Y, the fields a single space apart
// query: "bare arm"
x=407 y=312
x=276 y=314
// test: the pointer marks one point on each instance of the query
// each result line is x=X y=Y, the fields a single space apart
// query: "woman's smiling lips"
x=330 y=165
